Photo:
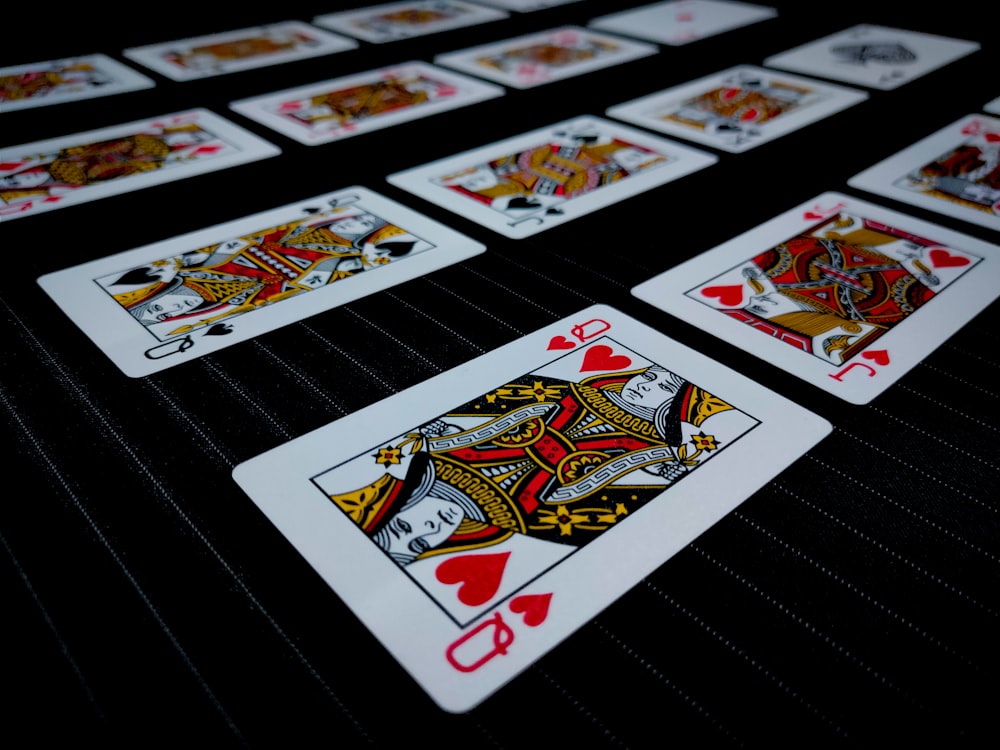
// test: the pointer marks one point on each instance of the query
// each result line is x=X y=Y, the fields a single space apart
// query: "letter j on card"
x=842 y=293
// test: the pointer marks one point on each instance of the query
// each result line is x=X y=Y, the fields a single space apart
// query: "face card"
x=992 y=107
x=738 y=108
x=845 y=294
x=157 y=306
x=679 y=22
x=70 y=79
x=955 y=171
x=242 y=49
x=524 y=185
x=394 y=21
x=46 y=175
x=474 y=521
x=357 y=104
x=875 y=56
x=534 y=59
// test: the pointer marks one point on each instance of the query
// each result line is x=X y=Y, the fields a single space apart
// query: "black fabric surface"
x=852 y=601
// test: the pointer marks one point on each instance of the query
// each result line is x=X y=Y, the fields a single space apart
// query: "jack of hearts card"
x=474 y=521
x=840 y=292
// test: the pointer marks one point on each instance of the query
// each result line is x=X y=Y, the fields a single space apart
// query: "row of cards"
x=522 y=185
x=873 y=56
x=673 y=22
x=474 y=521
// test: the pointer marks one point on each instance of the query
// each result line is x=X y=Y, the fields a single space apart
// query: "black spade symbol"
x=554 y=211
x=219 y=329
x=522 y=202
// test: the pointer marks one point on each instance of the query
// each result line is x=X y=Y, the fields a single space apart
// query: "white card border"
x=342 y=21
x=636 y=111
x=126 y=80
x=463 y=59
x=879 y=178
x=418 y=640
x=256 y=108
x=151 y=55
x=618 y=22
x=123 y=341
x=417 y=180
x=959 y=48
x=966 y=296
x=247 y=148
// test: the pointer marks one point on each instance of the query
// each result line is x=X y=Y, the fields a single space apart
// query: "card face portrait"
x=394 y=21
x=842 y=293
x=524 y=185
x=357 y=104
x=875 y=56
x=955 y=171
x=739 y=108
x=242 y=49
x=66 y=80
x=993 y=107
x=163 y=304
x=46 y=175
x=535 y=59
x=474 y=521
x=679 y=22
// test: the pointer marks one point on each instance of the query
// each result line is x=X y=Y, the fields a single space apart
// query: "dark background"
x=853 y=600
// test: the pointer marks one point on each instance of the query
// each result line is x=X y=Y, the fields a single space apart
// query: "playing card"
x=393 y=21
x=474 y=521
x=352 y=105
x=875 y=56
x=157 y=306
x=993 y=106
x=66 y=80
x=679 y=22
x=955 y=171
x=738 y=108
x=525 y=6
x=45 y=175
x=844 y=294
x=242 y=49
x=534 y=59
x=524 y=185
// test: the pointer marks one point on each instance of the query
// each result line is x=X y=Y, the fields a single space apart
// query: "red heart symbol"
x=599 y=357
x=534 y=606
x=878 y=356
x=941 y=258
x=560 y=342
x=730 y=295
x=812 y=215
x=992 y=137
x=480 y=576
